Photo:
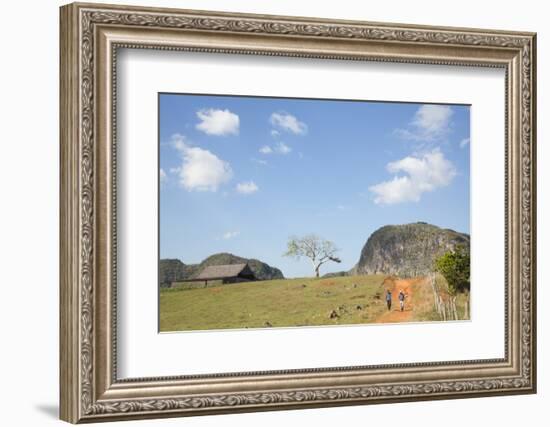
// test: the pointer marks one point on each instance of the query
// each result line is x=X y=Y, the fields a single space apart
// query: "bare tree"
x=317 y=249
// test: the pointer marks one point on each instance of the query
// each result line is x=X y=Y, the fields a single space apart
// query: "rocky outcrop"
x=407 y=250
x=173 y=270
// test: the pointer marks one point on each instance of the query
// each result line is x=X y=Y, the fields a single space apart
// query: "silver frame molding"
x=90 y=37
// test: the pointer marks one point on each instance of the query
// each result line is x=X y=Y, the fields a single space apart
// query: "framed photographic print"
x=266 y=212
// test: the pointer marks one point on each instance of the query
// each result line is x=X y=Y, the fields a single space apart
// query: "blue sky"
x=243 y=174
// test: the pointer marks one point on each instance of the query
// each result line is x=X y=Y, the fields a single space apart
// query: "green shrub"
x=455 y=267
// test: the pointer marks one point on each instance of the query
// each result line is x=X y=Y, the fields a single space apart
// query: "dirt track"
x=395 y=314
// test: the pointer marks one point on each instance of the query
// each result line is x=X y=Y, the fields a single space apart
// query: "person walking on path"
x=401 y=299
x=388 y=299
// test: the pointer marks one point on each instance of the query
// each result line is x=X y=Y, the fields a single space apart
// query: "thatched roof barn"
x=231 y=273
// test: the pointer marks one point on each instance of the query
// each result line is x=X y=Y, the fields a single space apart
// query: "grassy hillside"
x=279 y=303
x=172 y=271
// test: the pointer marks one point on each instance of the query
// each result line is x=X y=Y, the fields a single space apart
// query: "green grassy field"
x=277 y=303
x=343 y=300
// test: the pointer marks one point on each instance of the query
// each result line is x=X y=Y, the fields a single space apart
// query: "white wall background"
x=29 y=170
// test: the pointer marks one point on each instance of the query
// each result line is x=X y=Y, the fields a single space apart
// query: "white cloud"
x=422 y=174
x=464 y=142
x=162 y=176
x=275 y=133
x=266 y=149
x=201 y=170
x=259 y=161
x=178 y=142
x=246 y=187
x=282 y=148
x=288 y=123
x=430 y=122
x=407 y=134
x=230 y=234
x=218 y=122
x=433 y=119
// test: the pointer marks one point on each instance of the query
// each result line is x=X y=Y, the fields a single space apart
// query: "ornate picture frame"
x=90 y=37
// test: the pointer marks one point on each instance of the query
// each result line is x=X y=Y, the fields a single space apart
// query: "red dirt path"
x=408 y=286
